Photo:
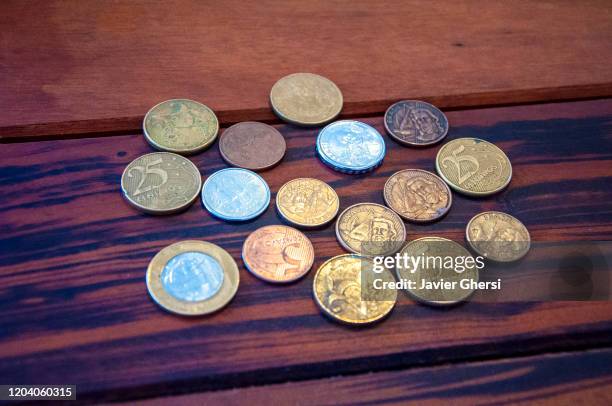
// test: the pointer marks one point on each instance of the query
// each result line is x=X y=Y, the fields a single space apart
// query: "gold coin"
x=161 y=183
x=278 y=254
x=370 y=229
x=436 y=280
x=192 y=278
x=498 y=236
x=473 y=166
x=417 y=195
x=342 y=284
x=306 y=99
x=307 y=202
x=180 y=125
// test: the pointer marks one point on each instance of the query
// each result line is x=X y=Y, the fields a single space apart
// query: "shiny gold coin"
x=473 y=166
x=436 y=280
x=498 y=236
x=306 y=99
x=161 y=183
x=192 y=278
x=180 y=125
x=417 y=195
x=370 y=229
x=278 y=254
x=342 y=285
x=307 y=202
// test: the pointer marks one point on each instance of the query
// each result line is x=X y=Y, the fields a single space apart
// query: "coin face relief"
x=306 y=99
x=473 y=166
x=370 y=229
x=235 y=194
x=415 y=123
x=192 y=278
x=180 y=125
x=161 y=183
x=417 y=195
x=350 y=146
x=307 y=202
x=252 y=145
x=498 y=236
x=278 y=254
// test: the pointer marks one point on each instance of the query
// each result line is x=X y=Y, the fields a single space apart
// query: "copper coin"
x=278 y=254
x=252 y=145
x=416 y=123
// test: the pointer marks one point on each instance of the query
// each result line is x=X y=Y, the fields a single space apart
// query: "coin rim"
x=176 y=150
x=488 y=258
x=412 y=144
x=295 y=223
x=160 y=212
x=461 y=190
x=227 y=291
x=253 y=168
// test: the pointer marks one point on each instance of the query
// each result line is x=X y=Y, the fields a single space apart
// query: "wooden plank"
x=73 y=302
x=83 y=67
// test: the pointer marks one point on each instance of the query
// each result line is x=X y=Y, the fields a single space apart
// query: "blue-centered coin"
x=192 y=276
x=351 y=147
x=235 y=194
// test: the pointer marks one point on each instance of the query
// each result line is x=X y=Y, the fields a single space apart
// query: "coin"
x=498 y=236
x=161 y=183
x=252 y=145
x=342 y=284
x=442 y=261
x=370 y=229
x=414 y=122
x=306 y=99
x=473 y=166
x=235 y=194
x=278 y=254
x=180 y=125
x=350 y=146
x=417 y=195
x=192 y=278
x=307 y=202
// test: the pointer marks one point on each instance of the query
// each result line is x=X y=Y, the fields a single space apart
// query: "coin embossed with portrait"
x=252 y=145
x=307 y=202
x=498 y=236
x=415 y=123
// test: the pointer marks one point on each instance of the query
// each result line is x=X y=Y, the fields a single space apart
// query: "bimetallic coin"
x=351 y=147
x=436 y=280
x=342 y=285
x=307 y=202
x=180 y=125
x=370 y=229
x=498 y=236
x=473 y=166
x=161 y=183
x=192 y=278
x=417 y=195
x=416 y=123
x=278 y=254
x=252 y=145
x=235 y=194
x=306 y=99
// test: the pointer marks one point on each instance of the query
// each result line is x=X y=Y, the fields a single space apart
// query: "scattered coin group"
x=197 y=277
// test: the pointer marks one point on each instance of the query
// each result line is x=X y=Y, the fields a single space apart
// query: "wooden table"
x=77 y=77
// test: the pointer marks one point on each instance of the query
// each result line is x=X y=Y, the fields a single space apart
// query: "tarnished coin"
x=161 y=183
x=180 y=125
x=278 y=254
x=342 y=284
x=370 y=229
x=442 y=265
x=351 y=147
x=417 y=195
x=306 y=99
x=498 y=236
x=235 y=194
x=417 y=123
x=307 y=202
x=252 y=145
x=192 y=278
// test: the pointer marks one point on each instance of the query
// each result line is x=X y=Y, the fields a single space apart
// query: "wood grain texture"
x=74 y=306
x=83 y=67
